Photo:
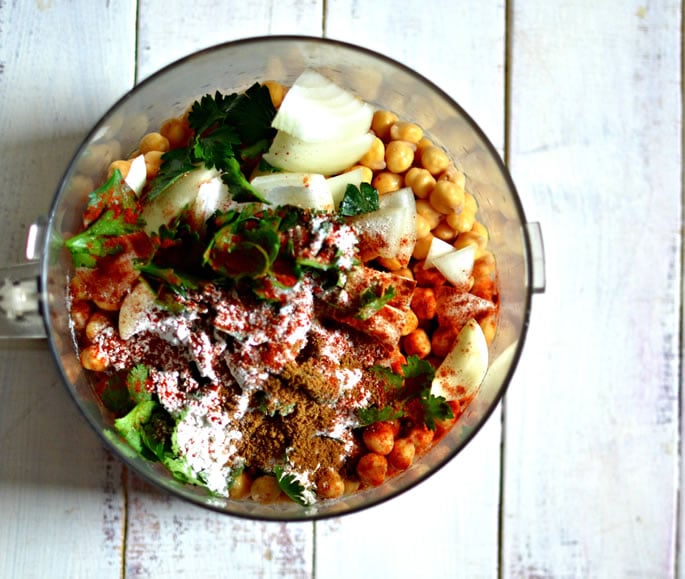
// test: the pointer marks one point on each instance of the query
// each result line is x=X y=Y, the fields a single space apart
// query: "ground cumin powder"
x=295 y=413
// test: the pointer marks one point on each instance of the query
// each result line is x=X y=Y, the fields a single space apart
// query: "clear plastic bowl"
x=377 y=79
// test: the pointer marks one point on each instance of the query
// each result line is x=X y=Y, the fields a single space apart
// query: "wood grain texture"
x=591 y=470
x=60 y=492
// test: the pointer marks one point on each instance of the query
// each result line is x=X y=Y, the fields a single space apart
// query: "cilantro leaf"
x=434 y=408
x=358 y=200
x=130 y=427
x=393 y=380
x=373 y=414
x=175 y=164
x=289 y=484
x=136 y=381
x=111 y=213
x=416 y=367
x=179 y=283
x=373 y=299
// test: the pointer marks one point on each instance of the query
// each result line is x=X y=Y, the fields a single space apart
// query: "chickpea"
x=329 y=484
x=470 y=203
x=387 y=182
x=277 y=92
x=153 y=142
x=389 y=263
x=97 y=323
x=405 y=131
x=80 y=314
x=240 y=488
x=471 y=238
x=379 y=438
x=422 y=246
x=411 y=322
x=367 y=174
x=265 y=489
x=428 y=277
x=399 y=156
x=423 y=227
x=455 y=175
x=372 y=468
x=153 y=163
x=489 y=326
x=93 y=358
x=351 y=486
x=420 y=181
x=442 y=340
x=447 y=197
x=434 y=160
x=381 y=123
x=123 y=166
x=424 y=303
x=426 y=210
x=443 y=231
x=78 y=288
x=176 y=131
x=374 y=158
x=422 y=438
x=417 y=343
x=484 y=276
x=461 y=221
x=402 y=454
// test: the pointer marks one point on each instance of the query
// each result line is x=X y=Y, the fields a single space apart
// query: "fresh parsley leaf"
x=175 y=164
x=358 y=200
x=391 y=379
x=179 y=283
x=373 y=299
x=111 y=213
x=416 y=367
x=217 y=147
x=130 y=427
x=374 y=414
x=289 y=484
x=434 y=408
x=234 y=178
x=136 y=381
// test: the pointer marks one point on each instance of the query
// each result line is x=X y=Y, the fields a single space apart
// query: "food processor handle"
x=20 y=311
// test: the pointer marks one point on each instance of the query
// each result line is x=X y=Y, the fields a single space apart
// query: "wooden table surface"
x=578 y=472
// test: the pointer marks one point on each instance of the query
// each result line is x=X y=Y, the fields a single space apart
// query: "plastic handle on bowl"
x=537 y=249
x=20 y=315
x=19 y=302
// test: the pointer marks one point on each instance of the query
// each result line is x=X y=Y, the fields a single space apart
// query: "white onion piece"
x=328 y=158
x=456 y=265
x=400 y=198
x=137 y=175
x=306 y=190
x=133 y=315
x=391 y=232
x=182 y=194
x=462 y=371
x=315 y=109
x=338 y=185
x=437 y=248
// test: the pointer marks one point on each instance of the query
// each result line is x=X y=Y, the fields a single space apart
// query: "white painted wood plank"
x=166 y=535
x=173 y=29
x=60 y=493
x=591 y=472
x=448 y=526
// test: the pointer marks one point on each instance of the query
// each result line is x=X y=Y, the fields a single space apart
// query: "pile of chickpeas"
x=400 y=156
